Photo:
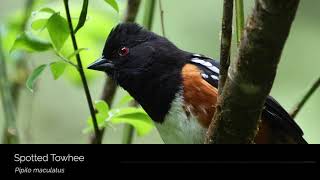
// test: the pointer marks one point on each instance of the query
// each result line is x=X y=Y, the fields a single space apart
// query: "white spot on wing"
x=200 y=61
x=214 y=77
x=214 y=69
x=207 y=64
x=204 y=75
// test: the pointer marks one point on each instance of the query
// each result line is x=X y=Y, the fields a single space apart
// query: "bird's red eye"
x=123 y=51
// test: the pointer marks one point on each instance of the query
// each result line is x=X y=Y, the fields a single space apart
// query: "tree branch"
x=148 y=14
x=128 y=130
x=98 y=136
x=251 y=74
x=239 y=19
x=10 y=91
x=305 y=98
x=21 y=65
x=226 y=36
x=10 y=135
x=132 y=10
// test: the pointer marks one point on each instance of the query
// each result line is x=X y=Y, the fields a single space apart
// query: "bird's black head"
x=128 y=51
x=145 y=64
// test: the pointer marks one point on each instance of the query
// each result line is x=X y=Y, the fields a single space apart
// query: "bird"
x=178 y=89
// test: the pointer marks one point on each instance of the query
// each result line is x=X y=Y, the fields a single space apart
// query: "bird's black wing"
x=280 y=118
x=210 y=68
x=277 y=116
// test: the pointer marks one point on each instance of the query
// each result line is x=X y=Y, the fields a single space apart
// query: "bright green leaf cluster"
x=136 y=117
x=58 y=30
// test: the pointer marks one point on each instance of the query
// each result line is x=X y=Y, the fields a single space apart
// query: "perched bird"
x=178 y=89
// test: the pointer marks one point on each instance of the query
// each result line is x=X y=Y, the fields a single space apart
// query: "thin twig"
x=21 y=65
x=66 y=60
x=305 y=98
x=10 y=92
x=148 y=13
x=128 y=130
x=162 y=18
x=10 y=135
x=98 y=136
x=128 y=133
x=239 y=19
x=226 y=36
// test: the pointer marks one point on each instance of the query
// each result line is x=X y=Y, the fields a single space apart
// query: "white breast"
x=178 y=128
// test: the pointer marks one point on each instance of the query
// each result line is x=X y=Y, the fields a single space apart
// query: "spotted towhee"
x=178 y=89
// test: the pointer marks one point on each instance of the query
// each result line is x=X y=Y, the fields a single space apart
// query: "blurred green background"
x=57 y=111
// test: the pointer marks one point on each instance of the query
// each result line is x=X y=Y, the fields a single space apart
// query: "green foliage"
x=125 y=100
x=57 y=68
x=101 y=106
x=83 y=15
x=58 y=29
x=103 y=109
x=113 y=4
x=58 y=32
x=34 y=75
x=47 y=10
x=137 y=117
x=30 y=43
x=39 y=24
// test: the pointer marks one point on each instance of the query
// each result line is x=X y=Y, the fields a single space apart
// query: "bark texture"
x=251 y=74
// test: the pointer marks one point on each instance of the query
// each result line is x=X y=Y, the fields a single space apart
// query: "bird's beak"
x=102 y=64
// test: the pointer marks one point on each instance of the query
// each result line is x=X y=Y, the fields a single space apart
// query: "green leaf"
x=125 y=100
x=101 y=106
x=58 y=30
x=113 y=4
x=103 y=109
x=34 y=75
x=39 y=24
x=137 y=117
x=139 y=120
x=100 y=120
x=76 y=52
x=57 y=68
x=127 y=110
x=47 y=10
x=30 y=43
x=83 y=15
